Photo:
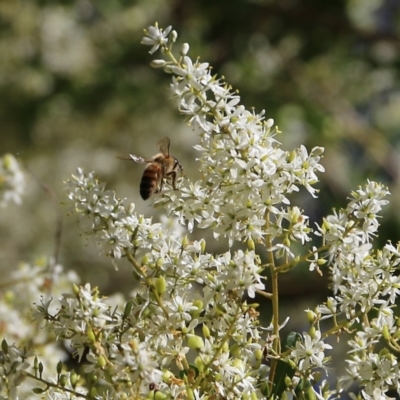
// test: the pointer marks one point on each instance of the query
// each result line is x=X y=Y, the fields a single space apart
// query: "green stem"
x=275 y=303
x=54 y=385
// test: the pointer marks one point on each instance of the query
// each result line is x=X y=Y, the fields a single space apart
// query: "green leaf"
x=283 y=369
x=192 y=370
x=38 y=390
x=303 y=389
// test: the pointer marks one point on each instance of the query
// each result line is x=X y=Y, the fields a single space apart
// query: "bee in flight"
x=161 y=166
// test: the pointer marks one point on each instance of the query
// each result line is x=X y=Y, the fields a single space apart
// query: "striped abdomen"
x=150 y=180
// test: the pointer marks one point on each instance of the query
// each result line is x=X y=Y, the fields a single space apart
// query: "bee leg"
x=172 y=176
x=160 y=186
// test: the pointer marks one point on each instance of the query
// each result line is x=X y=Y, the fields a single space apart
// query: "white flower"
x=311 y=352
x=156 y=37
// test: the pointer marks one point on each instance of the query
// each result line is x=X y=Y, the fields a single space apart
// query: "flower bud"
x=63 y=380
x=184 y=49
x=312 y=331
x=189 y=393
x=199 y=363
x=203 y=245
x=288 y=382
x=90 y=334
x=317 y=376
x=159 y=262
x=145 y=260
x=173 y=36
x=310 y=394
x=75 y=289
x=166 y=376
x=101 y=362
x=59 y=367
x=206 y=331
x=235 y=350
x=238 y=363
x=199 y=304
x=74 y=379
x=127 y=309
x=269 y=122
x=385 y=332
x=259 y=355
x=159 y=395
x=311 y=316
x=195 y=342
x=250 y=244
x=158 y=63
x=284 y=396
x=317 y=151
x=161 y=285
x=331 y=304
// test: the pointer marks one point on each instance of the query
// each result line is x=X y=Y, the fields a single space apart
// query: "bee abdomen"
x=148 y=184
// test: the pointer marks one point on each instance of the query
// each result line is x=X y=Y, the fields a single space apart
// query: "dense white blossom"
x=192 y=327
x=12 y=181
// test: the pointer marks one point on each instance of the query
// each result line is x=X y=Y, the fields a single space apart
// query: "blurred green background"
x=76 y=89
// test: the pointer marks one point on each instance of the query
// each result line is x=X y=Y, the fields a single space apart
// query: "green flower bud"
x=235 y=350
x=59 y=367
x=161 y=285
x=166 y=376
x=158 y=395
x=199 y=305
x=75 y=289
x=90 y=334
x=284 y=396
x=145 y=260
x=189 y=393
x=250 y=244
x=311 y=316
x=63 y=380
x=288 y=382
x=312 y=331
x=127 y=309
x=310 y=394
x=385 y=332
x=206 y=331
x=74 y=379
x=195 y=342
x=160 y=262
x=199 y=363
x=101 y=362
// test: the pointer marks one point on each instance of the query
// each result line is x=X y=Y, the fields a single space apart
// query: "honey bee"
x=160 y=167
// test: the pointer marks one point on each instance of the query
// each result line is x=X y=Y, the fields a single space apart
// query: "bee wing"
x=133 y=157
x=163 y=144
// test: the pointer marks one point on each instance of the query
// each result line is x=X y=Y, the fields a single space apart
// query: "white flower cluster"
x=185 y=289
x=12 y=181
x=25 y=286
x=365 y=282
x=189 y=330
x=245 y=173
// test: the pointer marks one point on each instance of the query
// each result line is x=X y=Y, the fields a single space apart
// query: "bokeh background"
x=76 y=89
